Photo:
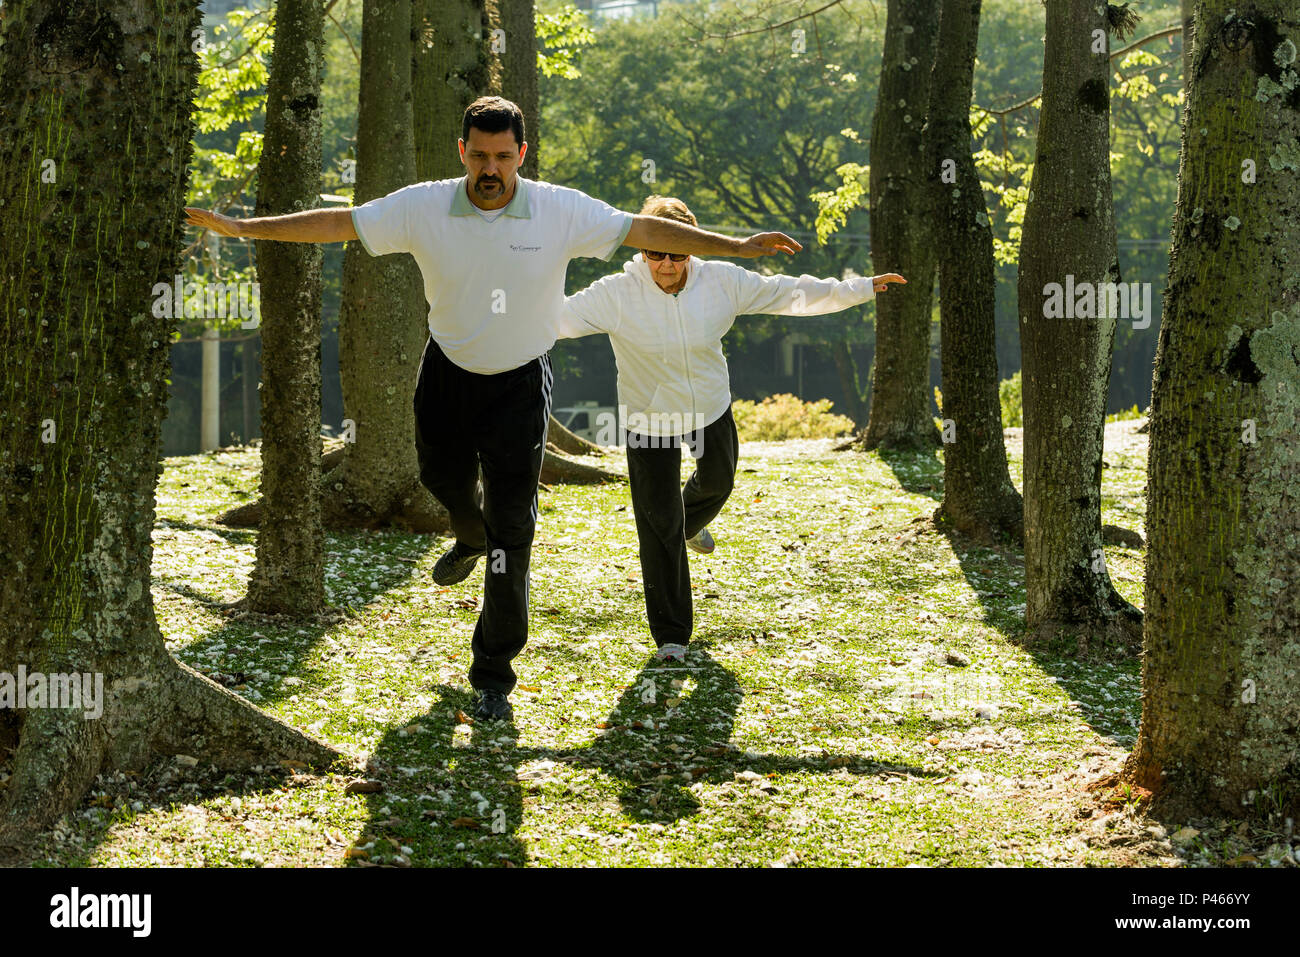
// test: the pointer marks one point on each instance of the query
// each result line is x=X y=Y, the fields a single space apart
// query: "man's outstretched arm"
x=309 y=226
x=664 y=235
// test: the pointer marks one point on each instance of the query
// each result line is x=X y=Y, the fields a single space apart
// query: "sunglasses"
x=656 y=257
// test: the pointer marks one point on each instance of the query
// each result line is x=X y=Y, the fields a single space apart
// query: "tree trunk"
x=383 y=321
x=900 y=232
x=1220 y=713
x=557 y=469
x=289 y=576
x=519 y=68
x=449 y=71
x=566 y=441
x=104 y=95
x=1069 y=240
x=978 y=497
x=249 y=377
x=1189 y=29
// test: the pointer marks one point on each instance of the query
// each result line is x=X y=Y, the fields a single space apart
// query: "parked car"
x=590 y=420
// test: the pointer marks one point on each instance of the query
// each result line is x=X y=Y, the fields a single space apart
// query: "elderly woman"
x=665 y=317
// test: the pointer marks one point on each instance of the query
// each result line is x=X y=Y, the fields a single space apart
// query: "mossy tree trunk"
x=449 y=72
x=978 y=497
x=452 y=67
x=518 y=72
x=450 y=64
x=289 y=575
x=383 y=321
x=900 y=232
x=1069 y=240
x=95 y=139
x=1220 y=709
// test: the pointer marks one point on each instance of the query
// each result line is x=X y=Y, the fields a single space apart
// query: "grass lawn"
x=853 y=695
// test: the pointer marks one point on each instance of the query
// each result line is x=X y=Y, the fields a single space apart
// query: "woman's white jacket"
x=672 y=375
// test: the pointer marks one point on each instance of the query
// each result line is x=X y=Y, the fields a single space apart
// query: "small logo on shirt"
x=524 y=249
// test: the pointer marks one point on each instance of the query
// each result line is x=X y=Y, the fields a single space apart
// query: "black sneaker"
x=493 y=706
x=456 y=565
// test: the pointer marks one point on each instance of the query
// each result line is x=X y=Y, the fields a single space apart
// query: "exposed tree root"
x=556 y=469
x=417 y=510
x=1116 y=627
x=566 y=441
x=996 y=526
x=170 y=709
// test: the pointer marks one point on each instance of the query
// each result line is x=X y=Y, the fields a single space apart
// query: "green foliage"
x=784 y=416
x=1008 y=73
x=559 y=37
x=1009 y=397
x=228 y=114
x=230 y=107
x=1125 y=414
x=834 y=206
x=232 y=93
x=743 y=130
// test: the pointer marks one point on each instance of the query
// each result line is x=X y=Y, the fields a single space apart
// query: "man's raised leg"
x=445 y=448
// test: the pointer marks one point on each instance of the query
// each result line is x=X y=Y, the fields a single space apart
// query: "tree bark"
x=452 y=68
x=104 y=94
x=289 y=576
x=978 y=497
x=249 y=375
x=1069 y=240
x=1220 y=713
x=519 y=69
x=566 y=441
x=557 y=469
x=449 y=71
x=900 y=232
x=383 y=322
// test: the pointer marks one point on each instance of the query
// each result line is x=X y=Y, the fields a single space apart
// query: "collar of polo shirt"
x=517 y=207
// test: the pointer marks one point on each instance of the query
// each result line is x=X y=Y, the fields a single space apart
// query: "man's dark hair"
x=493 y=114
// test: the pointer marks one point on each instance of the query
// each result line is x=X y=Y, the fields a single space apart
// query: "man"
x=493 y=248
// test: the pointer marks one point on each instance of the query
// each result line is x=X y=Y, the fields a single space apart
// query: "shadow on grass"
x=987 y=569
x=474 y=792
x=163 y=786
x=920 y=473
x=236 y=536
x=283 y=640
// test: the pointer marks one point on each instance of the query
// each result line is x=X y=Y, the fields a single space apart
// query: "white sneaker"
x=701 y=542
x=671 y=652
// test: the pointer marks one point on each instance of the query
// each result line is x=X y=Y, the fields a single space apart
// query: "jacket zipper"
x=686 y=360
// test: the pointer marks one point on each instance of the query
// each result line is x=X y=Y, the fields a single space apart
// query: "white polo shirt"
x=495 y=289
